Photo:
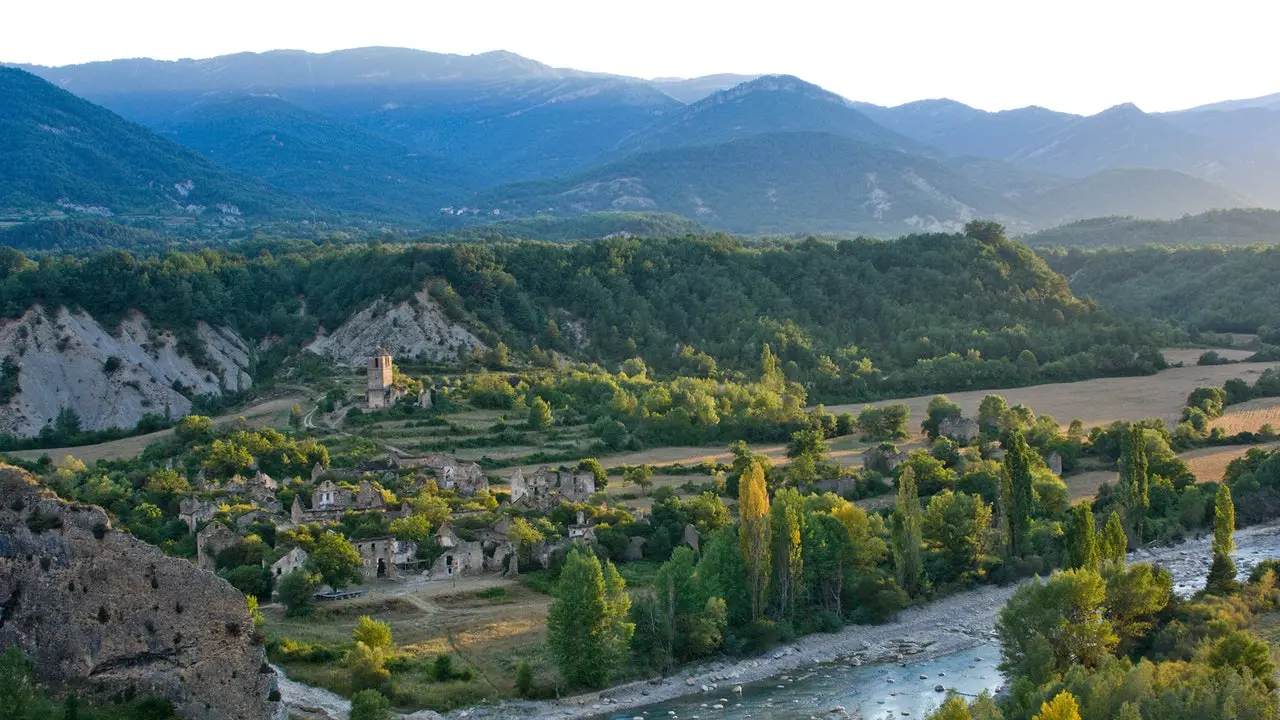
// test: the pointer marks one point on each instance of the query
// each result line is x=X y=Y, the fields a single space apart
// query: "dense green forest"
x=854 y=319
x=1210 y=289
x=1216 y=227
x=83 y=235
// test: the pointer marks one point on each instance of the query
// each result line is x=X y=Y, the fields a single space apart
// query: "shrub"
x=370 y=705
x=524 y=678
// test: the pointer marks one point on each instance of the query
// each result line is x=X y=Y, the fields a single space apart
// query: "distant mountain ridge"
x=453 y=140
x=1217 y=227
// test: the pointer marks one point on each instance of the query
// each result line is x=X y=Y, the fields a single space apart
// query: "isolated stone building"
x=884 y=458
x=962 y=430
x=381 y=391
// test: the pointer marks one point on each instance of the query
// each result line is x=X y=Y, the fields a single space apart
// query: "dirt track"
x=129 y=447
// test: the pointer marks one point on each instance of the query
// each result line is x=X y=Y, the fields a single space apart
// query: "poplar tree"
x=1082 y=539
x=1224 y=522
x=1114 y=542
x=788 y=562
x=754 y=535
x=907 y=533
x=1018 y=498
x=1222 y=573
x=1138 y=480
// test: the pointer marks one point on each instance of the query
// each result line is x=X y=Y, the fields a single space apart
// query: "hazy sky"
x=1079 y=56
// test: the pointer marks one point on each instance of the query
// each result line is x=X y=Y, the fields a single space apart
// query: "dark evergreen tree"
x=1018 y=505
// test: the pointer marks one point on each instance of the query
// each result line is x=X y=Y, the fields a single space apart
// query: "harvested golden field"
x=1208 y=465
x=1189 y=356
x=1098 y=402
x=1249 y=416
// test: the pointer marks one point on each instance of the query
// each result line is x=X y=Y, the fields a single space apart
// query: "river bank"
x=951 y=625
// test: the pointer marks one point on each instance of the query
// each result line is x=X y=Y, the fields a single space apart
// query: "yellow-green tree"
x=1224 y=522
x=1062 y=707
x=754 y=534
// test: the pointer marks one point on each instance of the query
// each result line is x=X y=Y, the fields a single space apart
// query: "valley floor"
x=950 y=625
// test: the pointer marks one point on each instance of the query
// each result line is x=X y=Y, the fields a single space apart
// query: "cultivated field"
x=1208 y=465
x=1189 y=356
x=1249 y=416
x=1099 y=402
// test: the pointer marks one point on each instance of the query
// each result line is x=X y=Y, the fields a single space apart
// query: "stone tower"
x=380 y=390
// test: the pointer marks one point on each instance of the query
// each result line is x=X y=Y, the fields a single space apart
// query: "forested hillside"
x=335 y=163
x=1216 y=227
x=59 y=151
x=855 y=319
x=1212 y=289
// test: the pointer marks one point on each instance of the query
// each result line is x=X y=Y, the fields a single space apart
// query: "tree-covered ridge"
x=308 y=154
x=858 y=318
x=57 y=147
x=1216 y=227
x=1213 y=289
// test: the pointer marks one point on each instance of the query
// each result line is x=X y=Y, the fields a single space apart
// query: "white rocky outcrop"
x=64 y=364
x=413 y=329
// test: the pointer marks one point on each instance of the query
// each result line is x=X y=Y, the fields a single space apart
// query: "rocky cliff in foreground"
x=103 y=612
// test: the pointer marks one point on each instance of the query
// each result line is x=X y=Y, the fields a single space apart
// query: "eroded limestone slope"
x=103 y=612
x=413 y=329
x=66 y=362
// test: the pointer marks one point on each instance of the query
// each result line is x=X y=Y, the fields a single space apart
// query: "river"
x=897 y=690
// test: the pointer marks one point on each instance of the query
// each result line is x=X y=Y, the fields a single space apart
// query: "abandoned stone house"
x=385 y=557
x=635 y=548
x=193 y=511
x=255 y=515
x=582 y=530
x=213 y=539
x=467 y=479
x=458 y=556
x=883 y=458
x=369 y=497
x=330 y=501
x=690 y=537
x=546 y=488
x=328 y=495
x=1054 y=461
x=381 y=391
x=291 y=561
x=961 y=430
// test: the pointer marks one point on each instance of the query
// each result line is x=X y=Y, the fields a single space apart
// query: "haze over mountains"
x=447 y=140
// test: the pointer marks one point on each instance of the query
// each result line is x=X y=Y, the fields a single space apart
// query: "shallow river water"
x=892 y=691
x=871 y=691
